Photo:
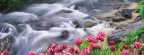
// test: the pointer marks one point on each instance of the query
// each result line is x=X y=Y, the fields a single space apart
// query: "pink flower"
x=77 y=51
x=91 y=39
x=86 y=50
x=124 y=52
x=112 y=48
x=66 y=53
x=112 y=42
x=82 y=53
x=78 y=42
x=58 y=48
x=100 y=36
x=2 y=54
x=53 y=45
x=94 y=40
x=50 y=51
x=64 y=45
x=5 y=51
x=137 y=44
x=125 y=46
x=92 y=46
x=31 y=53
x=71 y=49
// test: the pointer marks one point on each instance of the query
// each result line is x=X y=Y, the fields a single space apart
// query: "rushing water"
x=39 y=24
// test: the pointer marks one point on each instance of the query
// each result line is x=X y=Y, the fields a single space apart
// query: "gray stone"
x=6 y=43
x=89 y=23
x=127 y=13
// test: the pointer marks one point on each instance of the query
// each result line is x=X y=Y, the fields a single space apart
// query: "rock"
x=76 y=23
x=127 y=13
x=6 y=42
x=136 y=10
x=67 y=11
x=65 y=34
x=113 y=25
x=118 y=20
x=116 y=38
x=122 y=31
x=138 y=19
x=89 y=23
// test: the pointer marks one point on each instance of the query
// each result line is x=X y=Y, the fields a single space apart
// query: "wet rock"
x=138 y=19
x=113 y=25
x=67 y=11
x=6 y=42
x=127 y=13
x=76 y=23
x=65 y=34
x=118 y=20
x=89 y=23
x=136 y=10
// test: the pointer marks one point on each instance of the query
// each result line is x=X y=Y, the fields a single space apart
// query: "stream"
x=36 y=26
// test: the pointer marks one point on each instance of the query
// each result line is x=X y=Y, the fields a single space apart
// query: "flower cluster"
x=124 y=52
x=137 y=45
x=5 y=52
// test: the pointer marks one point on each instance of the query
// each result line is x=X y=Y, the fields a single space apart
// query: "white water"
x=46 y=14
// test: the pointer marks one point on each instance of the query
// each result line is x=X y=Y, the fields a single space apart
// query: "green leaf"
x=84 y=44
x=119 y=49
x=143 y=20
x=142 y=12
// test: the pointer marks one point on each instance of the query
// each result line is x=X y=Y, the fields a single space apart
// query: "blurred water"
x=57 y=17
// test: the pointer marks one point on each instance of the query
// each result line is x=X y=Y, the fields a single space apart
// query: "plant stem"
x=101 y=45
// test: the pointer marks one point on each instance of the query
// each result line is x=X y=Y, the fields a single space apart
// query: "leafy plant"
x=10 y=2
x=141 y=7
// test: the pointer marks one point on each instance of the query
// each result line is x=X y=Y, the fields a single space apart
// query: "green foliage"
x=141 y=4
x=142 y=21
x=84 y=44
x=141 y=7
x=142 y=12
x=119 y=46
x=95 y=52
x=132 y=35
x=11 y=2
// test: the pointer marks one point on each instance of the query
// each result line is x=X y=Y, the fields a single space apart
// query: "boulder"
x=123 y=30
x=127 y=13
x=117 y=39
x=6 y=42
